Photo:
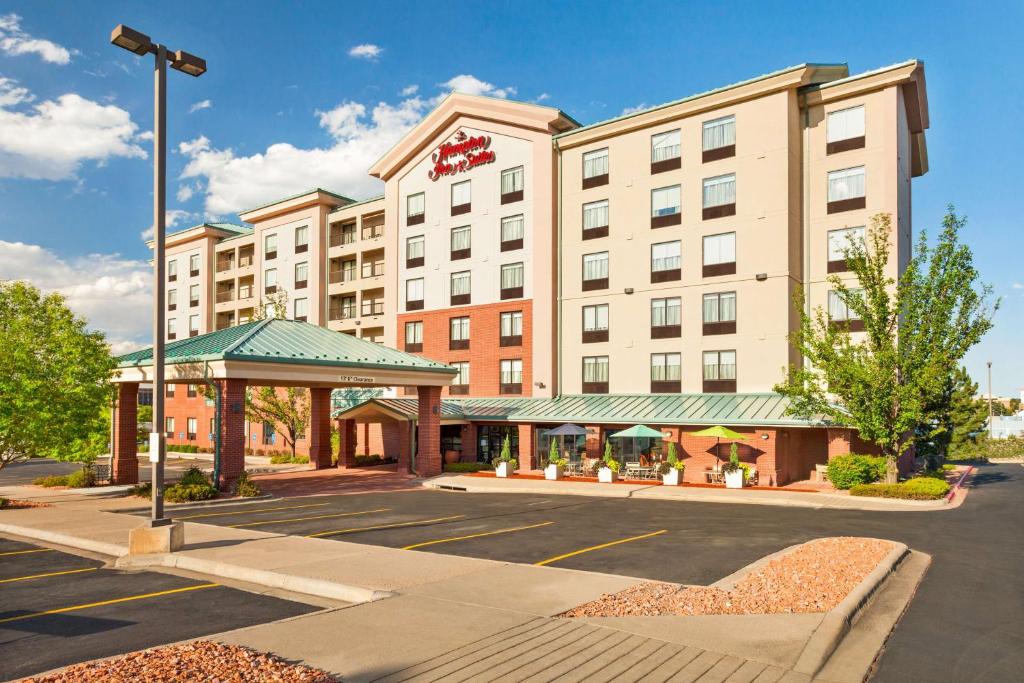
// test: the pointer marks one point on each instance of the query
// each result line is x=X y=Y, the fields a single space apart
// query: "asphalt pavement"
x=26 y=471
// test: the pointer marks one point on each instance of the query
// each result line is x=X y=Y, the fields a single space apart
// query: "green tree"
x=288 y=412
x=956 y=417
x=54 y=379
x=276 y=302
x=917 y=329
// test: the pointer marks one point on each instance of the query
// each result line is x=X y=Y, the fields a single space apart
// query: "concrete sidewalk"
x=654 y=491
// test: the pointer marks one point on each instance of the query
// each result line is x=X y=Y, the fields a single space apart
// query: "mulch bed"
x=815 y=577
x=22 y=504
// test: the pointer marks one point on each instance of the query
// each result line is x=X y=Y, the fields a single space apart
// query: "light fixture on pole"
x=140 y=44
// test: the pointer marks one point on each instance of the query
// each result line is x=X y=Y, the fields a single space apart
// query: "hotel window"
x=595 y=374
x=665 y=318
x=193 y=296
x=192 y=426
x=414 y=294
x=512 y=233
x=301 y=309
x=512 y=281
x=193 y=325
x=720 y=313
x=461 y=198
x=172 y=271
x=172 y=299
x=511 y=328
x=169 y=390
x=665 y=151
x=719 y=254
x=461 y=243
x=414 y=336
x=414 y=251
x=840 y=314
x=595 y=323
x=595 y=271
x=270 y=247
x=719 y=196
x=461 y=288
x=301 y=239
x=415 y=205
x=172 y=328
x=511 y=377
x=270 y=280
x=169 y=426
x=665 y=207
x=844 y=130
x=720 y=371
x=458 y=333
x=191 y=390
x=846 y=189
x=301 y=275
x=193 y=265
x=839 y=242
x=348 y=270
x=665 y=262
x=460 y=385
x=512 y=185
x=595 y=219
x=595 y=168
x=666 y=373
x=719 y=139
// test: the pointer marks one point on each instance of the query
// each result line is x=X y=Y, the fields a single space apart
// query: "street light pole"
x=991 y=427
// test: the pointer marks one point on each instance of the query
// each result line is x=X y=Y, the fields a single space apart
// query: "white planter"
x=554 y=472
x=734 y=480
x=673 y=478
x=503 y=470
x=606 y=475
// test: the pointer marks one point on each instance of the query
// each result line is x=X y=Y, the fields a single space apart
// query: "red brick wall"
x=484 y=353
x=319 y=431
x=468 y=437
x=232 y=447
x=125 y=461
x=526 y=448
x=428 y=440
x=699 y=452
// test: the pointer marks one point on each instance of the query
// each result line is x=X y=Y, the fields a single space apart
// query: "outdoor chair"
x=752 y=478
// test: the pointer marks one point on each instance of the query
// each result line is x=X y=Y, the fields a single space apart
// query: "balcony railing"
x=341 y=312
x=225 y=264
x=225 y=296
x=373 y=232
x=373 y=269
x=335 y=277
x=245 y=261
x=375 y=307
x=245 y=292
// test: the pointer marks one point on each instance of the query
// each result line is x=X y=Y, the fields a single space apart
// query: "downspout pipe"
x=558 y=271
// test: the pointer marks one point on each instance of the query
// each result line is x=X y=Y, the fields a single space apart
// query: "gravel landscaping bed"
x=813 y=578
x=197 y=661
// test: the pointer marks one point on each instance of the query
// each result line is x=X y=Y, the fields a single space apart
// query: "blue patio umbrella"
x=568 y=430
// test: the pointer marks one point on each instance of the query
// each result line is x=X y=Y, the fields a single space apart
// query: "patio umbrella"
x=637 y=432
x=720 y=432
x=568 y=430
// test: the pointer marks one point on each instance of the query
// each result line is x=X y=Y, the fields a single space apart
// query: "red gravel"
x=815 y=577
x=198 y=661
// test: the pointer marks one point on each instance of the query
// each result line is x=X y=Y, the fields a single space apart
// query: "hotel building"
x=651 y=257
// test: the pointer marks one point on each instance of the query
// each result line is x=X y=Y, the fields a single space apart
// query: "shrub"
x=194 y=477
x=374 y=459
x=183 y=493
x=286 y=459
x=4 y=503
x=467 y=467
x=143 y=447
x=143 y=490
x=922 y=488
x=51 y=481
x=846 y=471
x=246 y=487
x=83 y=478
x=948 y=467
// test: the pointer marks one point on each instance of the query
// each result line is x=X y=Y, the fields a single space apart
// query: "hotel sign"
x=461 y=154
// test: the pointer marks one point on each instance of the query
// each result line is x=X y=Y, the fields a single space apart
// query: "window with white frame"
x=461 y=193
x=193 y=323
x=172 y=298
x=838 y=309
x=461 y=283
x=301 y=273
x=666 y=367
x=512 y=324
x=462 y=378
x=193 y=264
x=719 y=133
x=665 y=145
x=841 y=240
x=512 y=180
x=192 y=425
x=847 y=183
x=720 y=249
x=414 y=289
x=665 y=312
x=169 y=423
x=595 y=266
x=665 y=201
x=172 y=327
x=415 y=205
x=595 y=369
x=193 y=295
x=595 y=214
x=414 y=247
x=172 y=269
x=414 y=332
x=720 y=307
x=845 y=124
x=595 y=318
x=665 y=256
x=720 y=190
x=512 y=371
x=461 y=238
x=301 y=309
x=719 y=365
x=512 y=228
x=458 y=328
x=270 y=277
x=301 y=239
x=511 y=275
x=595 y=163
x=270 y=246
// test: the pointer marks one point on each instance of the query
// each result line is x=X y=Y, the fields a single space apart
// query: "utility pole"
x=991 y=427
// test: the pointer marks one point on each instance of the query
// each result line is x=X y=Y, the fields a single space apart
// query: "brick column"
x=397 y=442
x=428 y=440
x=320 y=428
x=347 y=443
x=124 y=460
x=526 y=450
x=468 y=437
x=232 y=426
x=595 y=441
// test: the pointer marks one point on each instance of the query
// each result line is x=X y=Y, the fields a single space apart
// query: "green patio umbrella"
x=720 y=432
x=637 y=432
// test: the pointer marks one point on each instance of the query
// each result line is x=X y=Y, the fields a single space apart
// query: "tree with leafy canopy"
x=288 y=410
x=957 y=416
x=917 y=328
x=276 y=302
x=54 y=379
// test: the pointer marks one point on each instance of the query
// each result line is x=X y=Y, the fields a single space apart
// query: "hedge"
x=922 y=488
x=467 y=466
x=184 y=493
x=287 y=459
x=846 y=471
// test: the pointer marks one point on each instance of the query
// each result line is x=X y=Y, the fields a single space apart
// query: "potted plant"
x=608 y=472
x=505 y=464
x=672 y=468
x=555 y=469
x=734 y=471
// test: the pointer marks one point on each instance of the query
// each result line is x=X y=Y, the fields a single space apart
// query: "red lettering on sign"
x=464 y=153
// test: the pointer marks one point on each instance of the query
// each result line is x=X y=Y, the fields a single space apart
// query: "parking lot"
x=57 y=609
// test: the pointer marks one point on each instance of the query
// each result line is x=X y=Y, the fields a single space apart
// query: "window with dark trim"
x=461 y=198
x=301 y=275
x=461 y=243
x=301 y=309
x=595 y=271
x=458 y=333
x=512 y=233
x=595 y=219
x=414 y=251
x=301 y=239
x=844 y=130
x=460 y=385
x=840 y=314
x=193 y=296
x=595 y=168
x=666 y=206
x=512 y=277
x=414 y=336
x=512 y=185
x=719 y=313
x=595 y=374
x=192 y=391
x=595 y=323
x=414 y=294
x=840 y=241
x=511 y=376
x=719 y=139
x=270 y=280
x=666 y=318
x=720 y=372
x=193 y=326
x=415 y=205
x=172 y=271
x=665 y=262
x=846 y=189
x=666 y=373
x=511 y=328
x=172 y=332
x=169 y=390
x=172 y=299
x=719 y=255
x=461 y=288
x=665 y=151
x=193 y=265
x=169 y=427
x=719 y=198
x=269 y=247
x=191 y=427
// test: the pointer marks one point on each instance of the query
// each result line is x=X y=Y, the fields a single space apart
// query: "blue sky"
x=288 y=99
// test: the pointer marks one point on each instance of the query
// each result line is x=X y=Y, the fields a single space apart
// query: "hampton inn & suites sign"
x=461 y=154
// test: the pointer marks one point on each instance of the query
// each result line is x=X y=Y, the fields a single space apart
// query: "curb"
x=959 y=483
x=66 y=540
x=837 y=622
x=623 y=492
x=172 y=507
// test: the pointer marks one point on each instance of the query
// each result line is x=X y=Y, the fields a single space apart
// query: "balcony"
x=245 y=257
x=342 y=235
x=225 y=261
x=372 y=307
x=225 y=295
x=343 y=312
x=373 y=269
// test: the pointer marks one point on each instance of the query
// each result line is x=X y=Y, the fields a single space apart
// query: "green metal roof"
x=755 y=409
x=287 y=341
x=353 y=204
x=235 y=228
x=296 y=196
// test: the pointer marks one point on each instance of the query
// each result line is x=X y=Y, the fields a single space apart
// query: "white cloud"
x=204 y=104
x=366 y=51
x=1017 y=285
x=113 y=293
x=172 y=219
x=14 y=41
x=409 y=90
x=51 y=139
x=543 y=96
x=185 y=192
x=633 y=110
x=471 y=85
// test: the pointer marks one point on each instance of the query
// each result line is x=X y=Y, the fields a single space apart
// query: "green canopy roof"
x=637 y=432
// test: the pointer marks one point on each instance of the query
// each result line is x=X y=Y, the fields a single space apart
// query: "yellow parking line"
x=252 y=512
x=26 y=552
x=486 y=533
x=303 y=519
x=599 y=547
x=384 y=526
x=74 y=608
x=43 y=576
